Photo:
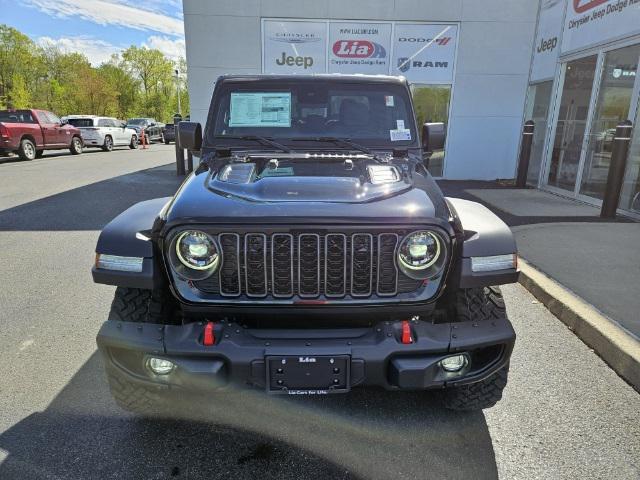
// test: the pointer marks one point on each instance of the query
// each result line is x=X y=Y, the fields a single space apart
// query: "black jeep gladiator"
x=310 y=253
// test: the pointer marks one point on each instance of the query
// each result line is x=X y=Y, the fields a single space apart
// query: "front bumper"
x=375 y=355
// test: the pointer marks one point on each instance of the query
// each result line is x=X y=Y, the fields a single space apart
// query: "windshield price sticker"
x=260 y=110
x=400 y=134
x=388 y=100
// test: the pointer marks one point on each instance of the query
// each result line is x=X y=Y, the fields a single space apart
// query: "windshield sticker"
x=277 y=172
x=388 y=100
x=400 y=134
x=400 y=124
x=260 y=110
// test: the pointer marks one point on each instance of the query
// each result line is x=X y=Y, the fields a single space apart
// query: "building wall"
x=494 y=54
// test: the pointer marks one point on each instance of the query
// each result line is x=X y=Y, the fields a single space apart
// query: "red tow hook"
x=406 y=333
x=209 y=338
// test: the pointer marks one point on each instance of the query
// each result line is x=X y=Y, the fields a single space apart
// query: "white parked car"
x=104 y=132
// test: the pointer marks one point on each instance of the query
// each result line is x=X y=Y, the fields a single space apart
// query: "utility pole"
x=177 y=75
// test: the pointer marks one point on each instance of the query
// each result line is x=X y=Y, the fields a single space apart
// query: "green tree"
x=18 y=95
x=17 y=59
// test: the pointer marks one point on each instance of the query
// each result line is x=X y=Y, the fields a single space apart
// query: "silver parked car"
x=104 y=132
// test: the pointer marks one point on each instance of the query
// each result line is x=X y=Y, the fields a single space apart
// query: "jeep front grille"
x=308 y=265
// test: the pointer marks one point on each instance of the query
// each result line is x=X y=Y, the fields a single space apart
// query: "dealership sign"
x=359 y=47
x=424 y=53
x=421 y=52
x=547 y=44
x=593 y=22
x=294 y=47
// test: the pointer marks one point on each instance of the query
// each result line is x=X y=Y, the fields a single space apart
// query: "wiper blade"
x=340 y=140
x=257 y=138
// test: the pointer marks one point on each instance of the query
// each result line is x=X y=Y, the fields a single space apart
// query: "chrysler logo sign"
x=295 y=38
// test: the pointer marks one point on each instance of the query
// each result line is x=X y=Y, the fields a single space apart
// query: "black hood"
x=309 y=188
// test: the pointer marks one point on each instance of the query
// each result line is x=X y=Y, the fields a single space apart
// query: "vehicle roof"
x=84 y=116
x=325 y=77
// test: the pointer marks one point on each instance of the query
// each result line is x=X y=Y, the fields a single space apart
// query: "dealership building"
x=482 y=67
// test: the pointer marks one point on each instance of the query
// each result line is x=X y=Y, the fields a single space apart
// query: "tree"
x=18 y=94
x=138 y=83
x=17 y=59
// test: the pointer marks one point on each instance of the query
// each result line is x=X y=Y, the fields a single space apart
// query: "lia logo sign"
x=581 y=6
x=358 y=49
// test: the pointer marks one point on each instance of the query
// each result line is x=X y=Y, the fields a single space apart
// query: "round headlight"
x=197 y=250
x=419 y=250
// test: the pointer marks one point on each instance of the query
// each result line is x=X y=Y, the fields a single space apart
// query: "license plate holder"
x=308 y=374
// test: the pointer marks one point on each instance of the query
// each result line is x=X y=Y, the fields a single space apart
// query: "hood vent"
x=237 y=173
x=383 y=174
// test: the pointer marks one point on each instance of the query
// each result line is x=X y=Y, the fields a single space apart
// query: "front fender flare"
x=122 y=237
x=485 y=235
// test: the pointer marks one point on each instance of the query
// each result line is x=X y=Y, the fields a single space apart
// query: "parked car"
x=311 y=252
x=152 y=129
x=104 y=132
x=30 y=132
x=169 y=133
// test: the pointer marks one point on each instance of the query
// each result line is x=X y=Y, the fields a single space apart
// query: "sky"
x=99 y=28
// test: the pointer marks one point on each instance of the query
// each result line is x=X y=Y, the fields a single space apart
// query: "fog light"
x=160 y=366
x=455 y=363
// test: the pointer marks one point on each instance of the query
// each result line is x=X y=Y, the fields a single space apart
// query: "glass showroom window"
x=612 y=107
x=537 y=109
x=572 y=123
x=431 y=103
x=630 y=197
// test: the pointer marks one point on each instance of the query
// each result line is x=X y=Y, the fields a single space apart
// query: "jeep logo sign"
x=304 y=62
x=547 y=45
x=294 y=47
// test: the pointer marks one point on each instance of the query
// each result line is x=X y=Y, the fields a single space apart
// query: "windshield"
x=372 y=114
x=81 y=122
x=137 y=121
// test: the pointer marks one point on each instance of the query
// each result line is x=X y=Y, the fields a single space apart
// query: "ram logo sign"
x=358 y=49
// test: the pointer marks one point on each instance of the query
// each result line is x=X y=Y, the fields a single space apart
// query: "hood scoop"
x=237 y=173
x=381 y=174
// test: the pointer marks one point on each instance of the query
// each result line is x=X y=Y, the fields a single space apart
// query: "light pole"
x=177 y=75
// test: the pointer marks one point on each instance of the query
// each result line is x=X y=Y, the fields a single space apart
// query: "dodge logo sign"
x=358 y=49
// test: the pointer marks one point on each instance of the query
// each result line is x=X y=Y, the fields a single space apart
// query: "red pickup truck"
x=29 y=132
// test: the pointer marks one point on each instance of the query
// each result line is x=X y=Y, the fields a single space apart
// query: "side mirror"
x=190 y=136
x=433 y=136
x=64 y=122
x=123 y=125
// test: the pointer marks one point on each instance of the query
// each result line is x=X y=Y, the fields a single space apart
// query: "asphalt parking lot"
x=565 y=414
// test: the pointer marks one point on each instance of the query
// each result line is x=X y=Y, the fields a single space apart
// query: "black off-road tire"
x=137 y=398
x=134 y=142
x=76 y=146
x=478 y=305
x=143 y=306
x=108 y=143
x=27 y=150
x=138 y=305
x=479 y=395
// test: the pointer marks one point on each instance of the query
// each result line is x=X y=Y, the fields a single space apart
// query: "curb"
x=618 y=348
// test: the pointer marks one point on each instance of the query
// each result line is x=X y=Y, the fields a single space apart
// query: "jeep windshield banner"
x=294 y=47
x=359 y=47
x=593 y=22
x=424 y=53
x=547 y=44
